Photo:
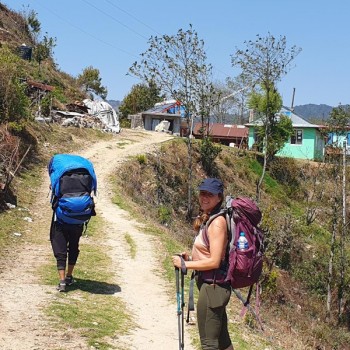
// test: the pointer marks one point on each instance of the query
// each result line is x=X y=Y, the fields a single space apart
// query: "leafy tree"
x=31 y=24
x=140 y=98
x=90 y=83
x=209 y=151
x=34 y=24
x=44 y=49
x=265 y=61
x=339 y=119
x=177 y=64
x=13 y=100
x=280 y=127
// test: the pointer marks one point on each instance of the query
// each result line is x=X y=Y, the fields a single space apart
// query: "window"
x=297 y=137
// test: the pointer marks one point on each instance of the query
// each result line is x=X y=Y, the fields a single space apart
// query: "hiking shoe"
x=61 y=287
x=69 y=280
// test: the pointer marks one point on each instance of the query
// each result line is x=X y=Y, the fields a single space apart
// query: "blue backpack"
x=73 y=180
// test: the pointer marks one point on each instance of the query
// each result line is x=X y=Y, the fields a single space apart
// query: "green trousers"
x=212 y=317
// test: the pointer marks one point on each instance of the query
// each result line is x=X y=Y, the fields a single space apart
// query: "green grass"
x=12 y=221
x=118 y=198
x=95 y=317
x=91 y=305
x=122 y=144
x=132 y=245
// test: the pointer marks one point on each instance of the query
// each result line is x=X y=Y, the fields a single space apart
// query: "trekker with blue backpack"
x=208 y=259
x=73 y=180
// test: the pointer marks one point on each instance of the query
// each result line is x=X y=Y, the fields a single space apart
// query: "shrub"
x=141 y=158
x=208 y=152
x=164 y=214
x=285 y=171
x=13 y=101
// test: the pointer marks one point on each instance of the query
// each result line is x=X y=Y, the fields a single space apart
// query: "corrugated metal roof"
x=170 y=108
x=40 y=86
x=160 y=109
x=223 y=130
x=297 y=121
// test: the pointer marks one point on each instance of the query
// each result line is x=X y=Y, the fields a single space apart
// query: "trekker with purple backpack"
x=227 y=254
x=208 y=259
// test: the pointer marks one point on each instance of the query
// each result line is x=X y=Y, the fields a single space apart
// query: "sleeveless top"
x=201 y=250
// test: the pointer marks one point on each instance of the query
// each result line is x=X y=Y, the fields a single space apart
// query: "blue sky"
x=111 y=34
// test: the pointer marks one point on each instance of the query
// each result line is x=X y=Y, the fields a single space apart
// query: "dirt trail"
x=22 y=324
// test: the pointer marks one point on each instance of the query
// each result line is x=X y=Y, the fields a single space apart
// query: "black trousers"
x=65 y=243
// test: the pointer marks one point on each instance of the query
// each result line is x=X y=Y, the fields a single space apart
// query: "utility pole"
x=292 y=106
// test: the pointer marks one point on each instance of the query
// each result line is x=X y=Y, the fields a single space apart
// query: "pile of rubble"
x=86 y=114
x=77 y=119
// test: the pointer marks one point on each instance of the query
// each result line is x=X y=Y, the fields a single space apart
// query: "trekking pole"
x=182 y=308
x=178 y=298
x=181 y=300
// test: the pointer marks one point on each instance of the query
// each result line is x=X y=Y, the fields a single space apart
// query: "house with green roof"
x=306 y=142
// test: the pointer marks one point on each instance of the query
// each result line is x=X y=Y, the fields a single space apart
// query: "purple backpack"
x=242 y=268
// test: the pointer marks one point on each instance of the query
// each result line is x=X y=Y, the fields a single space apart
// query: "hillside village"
x=301 y=187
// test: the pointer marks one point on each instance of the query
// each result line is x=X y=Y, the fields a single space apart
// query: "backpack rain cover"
x=73 y=179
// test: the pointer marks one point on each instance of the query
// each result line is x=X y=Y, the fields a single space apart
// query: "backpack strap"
x=222 y=212
x=190 y=305
x=246 y=303
x=223 y=266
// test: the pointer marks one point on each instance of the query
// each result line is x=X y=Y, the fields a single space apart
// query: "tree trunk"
x=189 y=186
x=258 y=187
x=342 y=241
x=330 y=264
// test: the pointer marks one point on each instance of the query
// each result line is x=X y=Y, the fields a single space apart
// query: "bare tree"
x=336 y=208
x=265 y=61
x=177 y=65
x=338 y=126
x=314 y=189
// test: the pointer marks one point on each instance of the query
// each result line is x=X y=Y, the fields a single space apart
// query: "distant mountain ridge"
x=115 y=104
x=313 y=111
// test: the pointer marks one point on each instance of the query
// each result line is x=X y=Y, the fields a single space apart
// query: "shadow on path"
x=94 y=287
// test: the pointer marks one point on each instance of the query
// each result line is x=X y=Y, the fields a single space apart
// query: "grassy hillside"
x=297 y=253
x=32 y=84
x=19 y=101
x=294 y=291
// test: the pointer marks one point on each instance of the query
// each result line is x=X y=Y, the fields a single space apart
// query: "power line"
x=132 y=16
x=149 y=27
x=114 y=19
x=87 y=33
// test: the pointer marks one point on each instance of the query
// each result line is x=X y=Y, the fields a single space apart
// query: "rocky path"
x=22 y=324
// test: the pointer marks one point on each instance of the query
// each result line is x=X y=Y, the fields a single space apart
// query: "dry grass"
x=294 y=318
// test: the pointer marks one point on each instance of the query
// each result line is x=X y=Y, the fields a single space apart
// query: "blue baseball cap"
x=212 y=185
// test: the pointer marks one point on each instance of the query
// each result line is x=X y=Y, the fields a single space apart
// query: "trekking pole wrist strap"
x=183 y=265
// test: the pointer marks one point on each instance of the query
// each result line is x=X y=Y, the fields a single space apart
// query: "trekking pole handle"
x=183 y=265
